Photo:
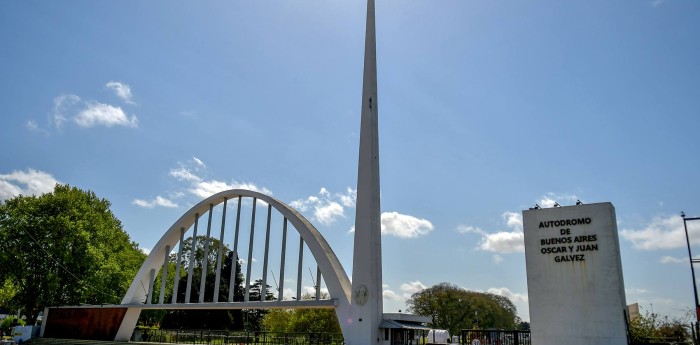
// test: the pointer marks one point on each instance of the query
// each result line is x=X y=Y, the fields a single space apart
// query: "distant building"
x=402 y=328
x=633 y=311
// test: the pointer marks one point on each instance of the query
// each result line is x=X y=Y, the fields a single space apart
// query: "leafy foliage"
x=650 y=328
x=454 y=308
x=7 y=292
x=8 y=323
x=248 y=319
x=301 y=320
x=64 y=248
x=204 y=319
x=277 y=320
x=523 y=326
x=254 y=317
x=198 y=259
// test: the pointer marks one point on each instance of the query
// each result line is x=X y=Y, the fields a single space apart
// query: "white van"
x=438 y=336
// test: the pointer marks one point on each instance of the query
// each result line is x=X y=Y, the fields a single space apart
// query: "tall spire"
x=367 y=306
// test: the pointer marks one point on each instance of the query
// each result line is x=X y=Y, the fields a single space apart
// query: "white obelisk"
x=366 y=301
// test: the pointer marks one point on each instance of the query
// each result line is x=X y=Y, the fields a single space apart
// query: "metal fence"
x=233 y=337
x=494 y=337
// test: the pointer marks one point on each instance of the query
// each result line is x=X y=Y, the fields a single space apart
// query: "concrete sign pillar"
x=574 y=275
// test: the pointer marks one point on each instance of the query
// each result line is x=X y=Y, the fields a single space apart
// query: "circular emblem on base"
x=361 y=295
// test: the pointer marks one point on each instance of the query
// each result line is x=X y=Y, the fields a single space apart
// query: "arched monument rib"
x=139 y=293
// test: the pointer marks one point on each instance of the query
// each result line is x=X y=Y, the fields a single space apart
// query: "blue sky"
x=485 y=107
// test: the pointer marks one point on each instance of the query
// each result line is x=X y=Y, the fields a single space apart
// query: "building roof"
x=407 y=317
x=395 y=324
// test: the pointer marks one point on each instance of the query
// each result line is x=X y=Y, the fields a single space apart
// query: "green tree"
x=277 y=320
x=302 y=320
x=523 y=326
x=8 y=323
x=254 y=317
x=197 y=257
x=453 y=308
x=64 y=248
x=206 y=319
x=651 y=328
x=7 y=292
x=315 y=320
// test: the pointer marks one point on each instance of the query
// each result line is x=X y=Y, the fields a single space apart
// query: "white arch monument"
x=358 y=304
x=359 y=307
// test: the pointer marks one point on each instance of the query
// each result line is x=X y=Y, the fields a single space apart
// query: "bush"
x=652 y=329
x=9 y=323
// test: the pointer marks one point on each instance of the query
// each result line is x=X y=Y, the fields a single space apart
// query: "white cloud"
x=158 y=201
x=122 y=91
x=505 y=292
x=299 y=205
x=142 y=203
x=497 y=259
x=412 y=287
x=198 y=186
x=513 y=240
x=465 y=229
x=33 y=126
x=549 y=199
x=29 y=182
x=312 y=290
x=407 y=289
x=205 y=189
x=89 y=113
x=391 y=295
x=546 y=202
x=502 y=242
x=349 y=198
x=245 y=262
x=327 y=207
x=249 y=186
x=664 y=232
x=287 y=293
x=99 y=114
x=327 y=214
x=198 y=162
x=61 y=105
x=8 y=190
x=404 y=226
x=146 y=251
x=671 y=260
x=183 y=174
x=514 y=220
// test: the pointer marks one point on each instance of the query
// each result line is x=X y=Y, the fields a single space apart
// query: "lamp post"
x=692 y=272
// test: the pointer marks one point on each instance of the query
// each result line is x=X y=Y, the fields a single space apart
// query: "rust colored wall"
x=84 y=323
